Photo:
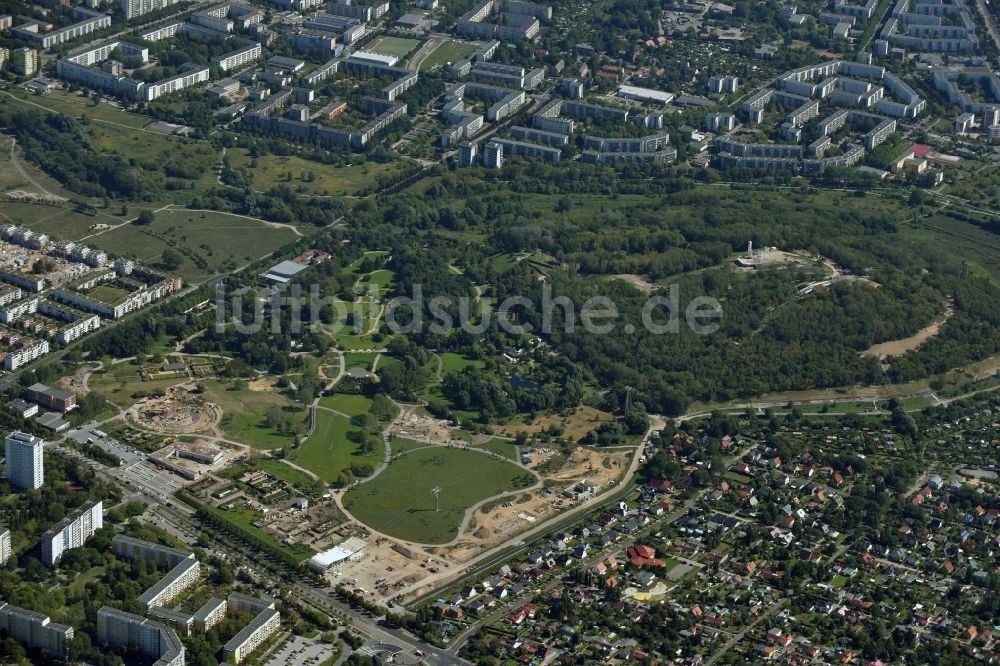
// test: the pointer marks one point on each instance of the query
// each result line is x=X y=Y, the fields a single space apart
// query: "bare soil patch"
x=576 y=425
x=885 y=350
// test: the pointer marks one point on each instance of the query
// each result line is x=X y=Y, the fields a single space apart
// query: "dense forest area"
x=771 y=336
x=57 y=145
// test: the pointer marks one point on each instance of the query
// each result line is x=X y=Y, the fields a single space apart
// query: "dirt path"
x=27 y=176
x=884 y=350
x=275 y=225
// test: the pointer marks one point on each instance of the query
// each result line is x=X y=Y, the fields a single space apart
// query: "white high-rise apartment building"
x=72 y=531
x=5 y=548
x=25 y=470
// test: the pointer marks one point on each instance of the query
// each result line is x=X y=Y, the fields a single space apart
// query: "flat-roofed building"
x=153 y=639
x=72 y=531
x=176 y=581
x=5 y=546
x=283 y=272
x=50 y=398
x=645 y=95
x=210 y=614
x=25 y=461
x=251 y=636
x=34 y=630
x=181 y=622
x=164 y=556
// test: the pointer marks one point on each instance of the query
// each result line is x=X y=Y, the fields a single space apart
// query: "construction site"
x=179 y=411
x=192 y=460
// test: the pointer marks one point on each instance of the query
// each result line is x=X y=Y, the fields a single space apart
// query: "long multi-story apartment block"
x=142 y=287
x=265 y=623
x=79 y=66
x=643 y=144
x=134 y=8
x=90 y=21
x=8 y=295
x=190 y=75
x=305 y=39
x=921 y=26
x=210 y=614
x=510 y=75
x=265 y=118
x=350 y=30
x=539 y=136
x=164 y=556
x=20 y=349
x=35 y=631
x=10 y=312
x=238 y=58
x=184 y=568
x=660 y=156
x=367 y=13
x=251 y=636
x=512 y=147
x=173 y=583
x=153 y=639
x=510 y=26
x=179 y=621
x=72 y=531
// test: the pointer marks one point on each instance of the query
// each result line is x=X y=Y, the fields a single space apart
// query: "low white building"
x=351 y=550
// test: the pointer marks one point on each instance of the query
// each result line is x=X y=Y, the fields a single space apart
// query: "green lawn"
x=398 y=502
x=59 y=222
x=90 y=575
x=395 y=46
x=243 y=414
x=399 y=445
x=452 y=362
x=503 y=447
x=669 y=564
x=120 y=381
x=351 y=404
x=355 y=266
x=74 y=105
x=354 y=318
x=212 y=242
x=448 y=52
x=107 y=293
x=379 y=280
x=359 y=360
x=328 y=450
x=347 y=342
x=286 y=473
x=312 y=177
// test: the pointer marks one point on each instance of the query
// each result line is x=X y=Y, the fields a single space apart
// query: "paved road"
x=617 y=549
x=736 y=638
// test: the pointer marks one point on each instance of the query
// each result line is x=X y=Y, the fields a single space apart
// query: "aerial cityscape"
x=499 y=332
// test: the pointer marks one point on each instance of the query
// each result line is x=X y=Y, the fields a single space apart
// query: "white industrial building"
x=351 y=550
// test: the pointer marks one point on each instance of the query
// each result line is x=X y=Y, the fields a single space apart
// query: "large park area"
x=399 y=502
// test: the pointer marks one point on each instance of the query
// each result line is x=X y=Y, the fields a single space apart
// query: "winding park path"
x=26 y=175
x=469 y=512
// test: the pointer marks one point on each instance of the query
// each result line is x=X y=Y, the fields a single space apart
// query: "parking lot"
x=146 y=475
x=128 y=455
x=301 y=650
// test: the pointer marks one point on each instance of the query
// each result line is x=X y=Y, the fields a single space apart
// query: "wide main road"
x=324 y=599
x=184 y=523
